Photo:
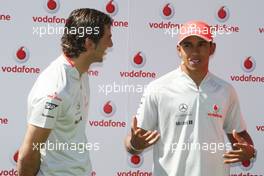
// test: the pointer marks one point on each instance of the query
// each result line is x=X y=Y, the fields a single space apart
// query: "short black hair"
x=72 y=42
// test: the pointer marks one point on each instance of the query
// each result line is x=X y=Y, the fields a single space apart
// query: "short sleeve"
x=234 y=119
x=43 y=112
x=147 y=114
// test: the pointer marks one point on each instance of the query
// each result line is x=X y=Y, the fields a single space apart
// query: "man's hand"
x=242 y=150
x=28 y=163
x=140 y=139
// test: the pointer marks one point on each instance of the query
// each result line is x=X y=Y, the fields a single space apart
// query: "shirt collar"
x=72 y=70
x=189 y=80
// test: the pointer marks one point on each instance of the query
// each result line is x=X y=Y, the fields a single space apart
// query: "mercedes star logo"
x=183 y=107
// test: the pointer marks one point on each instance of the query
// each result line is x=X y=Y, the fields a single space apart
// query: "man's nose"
x=111 y=43
x=195 y=50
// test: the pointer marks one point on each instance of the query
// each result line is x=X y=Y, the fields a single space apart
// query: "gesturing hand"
x=244 y=150
x=140 y=138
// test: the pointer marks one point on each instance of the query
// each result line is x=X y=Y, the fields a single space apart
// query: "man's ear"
x=179 y=50
x=212 y=48
x=89 y=44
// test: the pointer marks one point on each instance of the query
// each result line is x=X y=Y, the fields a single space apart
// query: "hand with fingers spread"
x=140 y=138
x=243 y=150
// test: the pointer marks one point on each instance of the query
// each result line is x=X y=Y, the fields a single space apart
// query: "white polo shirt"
x=192 y=122
x=59 y=101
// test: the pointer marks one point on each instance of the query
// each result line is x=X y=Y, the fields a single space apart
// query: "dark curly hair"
x=72 y=41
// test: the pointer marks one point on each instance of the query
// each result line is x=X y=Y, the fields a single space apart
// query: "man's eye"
x=203 y=44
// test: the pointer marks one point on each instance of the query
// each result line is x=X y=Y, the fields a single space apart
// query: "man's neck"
x=82 y=63
x=196 y=76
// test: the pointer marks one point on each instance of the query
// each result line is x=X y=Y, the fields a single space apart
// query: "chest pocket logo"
x=183 y=107
x=216 y=112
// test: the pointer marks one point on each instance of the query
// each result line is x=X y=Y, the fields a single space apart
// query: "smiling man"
x=58 y=102
x=187 y=112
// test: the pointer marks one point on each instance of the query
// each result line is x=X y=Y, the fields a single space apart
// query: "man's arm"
x=29 y=155
x=243 y=148
x=140 y=139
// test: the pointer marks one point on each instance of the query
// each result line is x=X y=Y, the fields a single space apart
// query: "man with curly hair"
x=58 y=101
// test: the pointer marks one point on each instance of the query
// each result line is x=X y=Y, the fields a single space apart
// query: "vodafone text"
x=138 y=74
x=11 y=172
x=3 y=121
x=247 y=78
x=245 y=174
x=134 y=173
x=107 y=123
x=260 y=128
x=48 y=19
x=120 y=24
x=5 y=17
x=261 y=30
x=20 y=69
x=93 y=73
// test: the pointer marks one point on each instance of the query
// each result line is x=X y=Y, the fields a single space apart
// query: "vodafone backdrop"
x=144 y=49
